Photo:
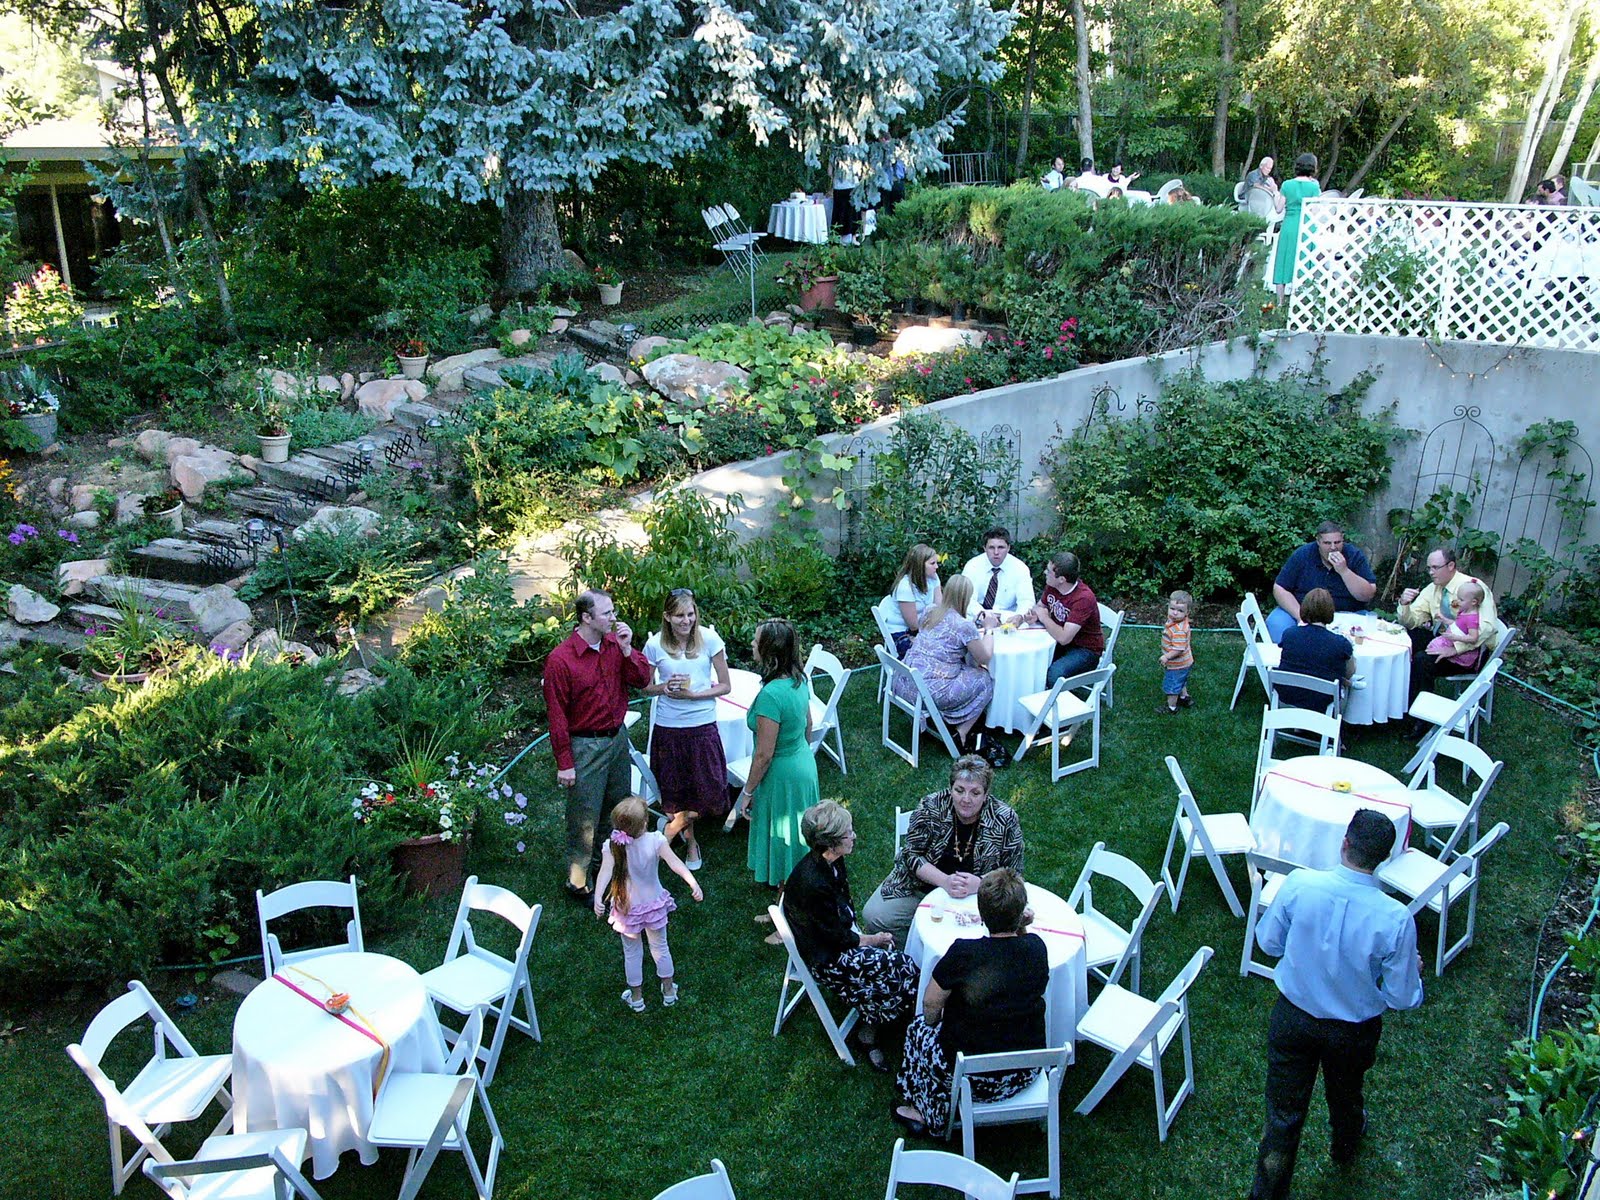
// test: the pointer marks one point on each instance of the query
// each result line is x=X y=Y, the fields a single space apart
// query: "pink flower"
x=967 y=381
x=1049 y=351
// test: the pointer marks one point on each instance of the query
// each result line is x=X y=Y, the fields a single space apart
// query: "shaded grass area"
x=618 y=1105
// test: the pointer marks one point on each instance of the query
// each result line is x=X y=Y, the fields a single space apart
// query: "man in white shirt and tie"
x=1001 y=582
x=1348 y=954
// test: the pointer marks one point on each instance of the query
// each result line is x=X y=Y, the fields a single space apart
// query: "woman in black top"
x=986 y=997
x=863 y=969
x=1311 y=648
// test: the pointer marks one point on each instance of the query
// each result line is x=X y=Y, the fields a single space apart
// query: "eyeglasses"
x=677 y=592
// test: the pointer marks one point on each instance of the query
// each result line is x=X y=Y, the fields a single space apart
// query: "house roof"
x=71 y=139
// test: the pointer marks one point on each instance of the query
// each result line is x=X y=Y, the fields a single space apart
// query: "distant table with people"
x=1383 y=660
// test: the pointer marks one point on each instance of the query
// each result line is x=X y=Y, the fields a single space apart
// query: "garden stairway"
x=206 y=552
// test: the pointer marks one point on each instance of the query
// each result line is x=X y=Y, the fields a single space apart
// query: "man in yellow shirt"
x=1426 y=611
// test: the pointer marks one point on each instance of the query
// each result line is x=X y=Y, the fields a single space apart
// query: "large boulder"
x=337 y=517
x=691 y=380
x=378 y=398
x=192 y=472
x=27 y=607
x=282 y=384
x=84 y=520
x=925 y=339
x=71 y=576
x=234 y=638
x=606 y=373
x=645 y=346
x=81 y=498
x=177 y=447
x=217 y=607
x=151 y=445
x=446 y=373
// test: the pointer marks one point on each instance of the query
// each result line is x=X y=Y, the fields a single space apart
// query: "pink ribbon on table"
x=383 y=1061
x=1062 y=932
x=1401 y=804
x=734 y=703
x=1372 y=637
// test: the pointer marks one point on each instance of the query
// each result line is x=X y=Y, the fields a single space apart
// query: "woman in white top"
x=914 y=591
x=689 y=671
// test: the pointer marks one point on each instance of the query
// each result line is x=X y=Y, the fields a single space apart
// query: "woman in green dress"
x=783 y=774
x=1295 y=193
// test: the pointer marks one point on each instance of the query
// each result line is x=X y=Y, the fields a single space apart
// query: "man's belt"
x=594 y=733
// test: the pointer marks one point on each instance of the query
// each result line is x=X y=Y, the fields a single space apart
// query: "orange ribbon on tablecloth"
x=364 y=1028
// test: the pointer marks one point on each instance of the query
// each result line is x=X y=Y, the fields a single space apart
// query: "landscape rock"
x=632 y=378
x=130 y=508
x=782 y=323
x=84 y=520
x=924 y=339
x=235 y=983
x=27 y=607
x=56 y=489
x=192 y=472
x=606 y=373
x=267 y=644
x=691 y=380
x=94 y=614
x=216 y=608
x=250 y=462
x=378 y=398
x=335 y=517
x=605 y=329
x=642 y=348
x=520 y=337
x=117 y=443
x=480 y=316
x=71 y=576
x=775 y=317
x=281 y=384
x=446 y=373
x=151 y=445
x=308 y=657
x=559 y=326
x=177 y=447
x=573 y=261
x=357 y=680
x=235 y=637
x=330 y=385
x=561 y=310
x=347 y=386
x=81 y=498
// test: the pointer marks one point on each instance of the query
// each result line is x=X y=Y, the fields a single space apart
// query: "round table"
x=1384 y=658
x=1301 y=815
x=732 y=713
x=798 y=221
x=1053 y=920
x=295 y=1065
x=1020 y=662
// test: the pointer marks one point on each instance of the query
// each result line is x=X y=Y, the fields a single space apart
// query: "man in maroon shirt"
x=586 y=682
x=1070 y=611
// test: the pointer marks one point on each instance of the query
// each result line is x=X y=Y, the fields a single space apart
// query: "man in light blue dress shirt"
x=1347 y=952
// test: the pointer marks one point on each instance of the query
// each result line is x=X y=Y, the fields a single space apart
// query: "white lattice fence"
x=1512 y=274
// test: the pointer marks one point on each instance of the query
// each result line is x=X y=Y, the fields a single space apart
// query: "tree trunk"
x=1035 y=32
x=1405 y=115
x=1543 y=102
x=1080 y=25
x=530 y=240
x=1219 y=123
x=1593 y=155
x=1255 y=136
x=1333 y=151
x=1569 y=131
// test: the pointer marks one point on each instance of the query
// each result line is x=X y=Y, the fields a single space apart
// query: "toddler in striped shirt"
x=1177 y=660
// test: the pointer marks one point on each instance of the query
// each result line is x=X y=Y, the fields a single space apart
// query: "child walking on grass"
x=1177 y=660
x=630 y=879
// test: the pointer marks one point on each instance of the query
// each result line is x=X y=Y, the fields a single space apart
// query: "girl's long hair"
x=680 y=599
x=957 y=596
x=915 y=568
x=778 y=651
x=629 y=817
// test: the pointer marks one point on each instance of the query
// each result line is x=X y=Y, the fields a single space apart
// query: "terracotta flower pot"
x=432 y=866
x=820 y=294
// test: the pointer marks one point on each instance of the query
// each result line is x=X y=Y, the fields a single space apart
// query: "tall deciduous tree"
x=1228 y=34
x=1080 y=27
x=516 y=101
x=1557 y=59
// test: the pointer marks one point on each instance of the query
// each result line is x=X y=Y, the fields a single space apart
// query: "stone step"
x=309 y=473
x=187 y=561
x=94 y=614
x=174 y=599
x=416 y=416
x=273 y=504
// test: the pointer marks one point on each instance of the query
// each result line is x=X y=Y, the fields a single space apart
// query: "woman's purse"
x=990 y=748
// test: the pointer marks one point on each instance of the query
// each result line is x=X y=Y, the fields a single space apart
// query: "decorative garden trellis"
x=1504 y=274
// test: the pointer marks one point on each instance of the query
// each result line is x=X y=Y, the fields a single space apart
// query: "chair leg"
x=1159 y=1083
x=1238 y=684
x=1174 y=889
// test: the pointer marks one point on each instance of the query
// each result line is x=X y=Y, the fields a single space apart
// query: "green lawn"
x=618 y=1106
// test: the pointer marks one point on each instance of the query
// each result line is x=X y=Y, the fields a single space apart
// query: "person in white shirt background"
x=1056 y=177
x=1001 y=582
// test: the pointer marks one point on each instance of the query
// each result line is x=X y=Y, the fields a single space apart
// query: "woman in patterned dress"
x=953 y=656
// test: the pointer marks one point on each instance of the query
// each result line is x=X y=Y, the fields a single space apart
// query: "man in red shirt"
x=1070 y=611
x=586 y=682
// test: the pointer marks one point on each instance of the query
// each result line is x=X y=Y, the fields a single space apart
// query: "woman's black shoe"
x=873 y=1053
x=912 y=1126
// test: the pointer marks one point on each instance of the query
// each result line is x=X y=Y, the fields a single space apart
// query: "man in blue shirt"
x=1324 y=563
x=1347 y=953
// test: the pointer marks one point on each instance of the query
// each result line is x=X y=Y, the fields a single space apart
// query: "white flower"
x=521 y=847
x=445 y=822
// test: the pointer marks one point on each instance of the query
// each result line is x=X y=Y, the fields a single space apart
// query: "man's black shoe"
x=580 y=895
x=1344 y=1153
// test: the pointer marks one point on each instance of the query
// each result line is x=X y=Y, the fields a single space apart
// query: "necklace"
x=963 y=846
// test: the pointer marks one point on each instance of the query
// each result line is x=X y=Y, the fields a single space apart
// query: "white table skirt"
x=1384 y=658
x=298 y=1066
x=1053 y=920
x=1021 y=661
x=798 y=221
x=733 y=710
x=1301 y=817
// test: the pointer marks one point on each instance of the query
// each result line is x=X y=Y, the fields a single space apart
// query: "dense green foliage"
x=341 y=575
x=481 y=629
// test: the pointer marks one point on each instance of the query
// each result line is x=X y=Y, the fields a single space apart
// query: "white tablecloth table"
x=1053 y=920
x=1021 y=660
x=297 y=1065
x=798 y=221
x=1385 y=659
x=1301 y=816
x=732 y=710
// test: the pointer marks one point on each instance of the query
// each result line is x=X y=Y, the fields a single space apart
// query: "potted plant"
x=813 y=275
x=609 y=282
x=139 y=642
x=272 y=430
x=31 y=401
x=430 y=809
x=412 y=354
x=166 y=505
x=863 y=293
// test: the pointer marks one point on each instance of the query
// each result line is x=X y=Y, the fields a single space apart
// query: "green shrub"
x=341 y=575
x=1548 y=1098
x=1215 y=488
x=40 y=307
x=324 y=426
x=481 y=628
x=430 y=295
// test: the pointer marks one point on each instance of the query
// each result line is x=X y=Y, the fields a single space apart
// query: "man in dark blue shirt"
x=1324 y=563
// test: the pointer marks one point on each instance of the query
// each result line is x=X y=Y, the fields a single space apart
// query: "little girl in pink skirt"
x=630 y=880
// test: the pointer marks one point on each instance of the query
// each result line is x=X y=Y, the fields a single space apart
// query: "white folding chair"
x=886 y=643
x=1434 y=808
x=1450 y=716
x=317 y=893
x=1260 y=653
x=825 y=714
x=1266 y=877
x=1194 y=834
x=714 y=1185
x=796 y=972
x=473 y=977
x=426 y=1113
x=1277 y=678
x=1064 y=711
x=1275 y=723
x=239 y=1166
x=919 y=710
x=1105 y=942
x=1496 y=656
x=735 y=252
x=902 y=826
x=1138 y=1030
x=165 y=1092
x=940 y=1168
x=1039 y=1101
x=1110 y=629
x=1437 y=883
x=828 y=722
x=643 y=781
x=742 y=231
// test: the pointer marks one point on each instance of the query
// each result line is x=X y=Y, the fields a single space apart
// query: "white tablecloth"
x=798 y=221
x=1301 y=818
x=296 y=1065
x=1053 y=920
x=732 y=710
x=1021 y=660
x=1385 y=659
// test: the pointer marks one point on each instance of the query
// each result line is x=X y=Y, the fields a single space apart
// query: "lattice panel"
x=1508 y=274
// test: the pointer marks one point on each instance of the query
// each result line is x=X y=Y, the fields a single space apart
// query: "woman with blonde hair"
x=953 y=655
x=914 y=591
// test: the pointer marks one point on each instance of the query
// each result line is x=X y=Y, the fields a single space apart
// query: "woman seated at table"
x=914 y=591
x=864 y=969
x=986 y=997
x=956 y=836
x=953 y=656
x=1311 y=648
